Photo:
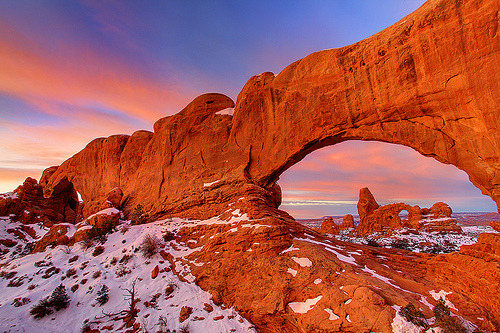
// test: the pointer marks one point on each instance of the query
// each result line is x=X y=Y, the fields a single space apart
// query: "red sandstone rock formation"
x=385 y=219
x=28 y=204
x=328 y=226
x=348 y=222
x=430 y=82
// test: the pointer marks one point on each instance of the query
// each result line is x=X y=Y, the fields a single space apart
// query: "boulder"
x=114 y=198
x=328 y=226
x=55 y=236
x=495 y=225
x=28 y=203
x=366 y=203
x=348 y=222
x=185 y=313
x=154 y=273
x=440 y=209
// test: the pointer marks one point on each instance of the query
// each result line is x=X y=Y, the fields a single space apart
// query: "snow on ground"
x=401 y=325
x=330 y=248
x=210 y=184
x=227 y=111
x=291 y=248
x=304 y=307
x=292 y=271
x=303 y=262
x=430 y=242
x=442 y=294
x=333 y=316
x=6 y=195
x=118 y=267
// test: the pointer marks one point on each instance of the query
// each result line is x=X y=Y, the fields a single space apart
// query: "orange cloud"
x=80 y=76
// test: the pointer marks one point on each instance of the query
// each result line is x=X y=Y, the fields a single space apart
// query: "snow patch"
x=401 y=325
x=303 y=262
x=292 y=271
x=227 y=111
x=318 y=281
x=291 y=248
x=333 y=316
x=10 y=195
x=304 y=307
x=442 y=294
x=210 y=184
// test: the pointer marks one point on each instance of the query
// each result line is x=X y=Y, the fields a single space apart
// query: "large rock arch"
x=430 y=82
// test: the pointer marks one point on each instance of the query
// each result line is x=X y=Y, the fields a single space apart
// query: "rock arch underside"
x=430 y=82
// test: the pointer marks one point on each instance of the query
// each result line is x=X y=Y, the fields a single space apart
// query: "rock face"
x=29 y=205
x=385 y=219
x=430 y=82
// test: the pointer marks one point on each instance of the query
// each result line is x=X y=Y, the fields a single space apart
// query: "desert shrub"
x=411 y=314
x=59 y=299
x=168 y=236
x=138 y=216
x=114 y=261
x=7 y=275
x=83 y=281
x=41 y=309
x=149 y=245
x=162 y=324
x=102 y=295
x=122 y=271
x=372 y=242
x=70 y=272
x=73 y=259
x=400 y=244
x=125 y=259
x=96 y=274
x=28 y=248
x=86 y=328
x=43 y=263
x=74 y=287
x=441 y=310
x=444 y=319
x=50 y=271
x=98 y=250
x=184 y=329
x=32 y=286
x=170 y=288
x=16 y=282
x=18 y=301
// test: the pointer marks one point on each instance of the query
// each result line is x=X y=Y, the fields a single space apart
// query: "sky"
x=71 y=71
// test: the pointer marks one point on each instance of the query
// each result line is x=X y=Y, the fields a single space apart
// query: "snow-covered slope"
x=110 y=268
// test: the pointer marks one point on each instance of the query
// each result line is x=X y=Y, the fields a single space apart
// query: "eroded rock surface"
x=430 y=82
x=386 y=219
x=29 y=205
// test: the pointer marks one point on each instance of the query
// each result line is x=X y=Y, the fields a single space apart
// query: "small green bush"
x=149 y=245
x=59 y=299
x=413 y=315
x=41 y=309
x=102 y=295
x=444 y=319
x=138 y=216
x=98 y=250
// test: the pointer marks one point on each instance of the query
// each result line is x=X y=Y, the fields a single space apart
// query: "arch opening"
x=327 y=181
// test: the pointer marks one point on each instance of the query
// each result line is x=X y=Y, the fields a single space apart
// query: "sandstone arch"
x=430 y=82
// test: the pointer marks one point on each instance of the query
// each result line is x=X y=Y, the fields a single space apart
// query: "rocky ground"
x=236 y=273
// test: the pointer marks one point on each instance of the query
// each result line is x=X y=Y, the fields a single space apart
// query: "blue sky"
x=75 y=70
